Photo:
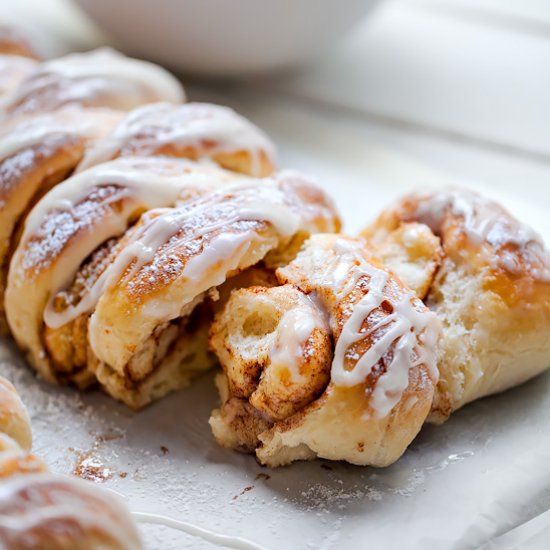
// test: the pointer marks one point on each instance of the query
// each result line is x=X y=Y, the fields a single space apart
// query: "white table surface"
x=425 y=91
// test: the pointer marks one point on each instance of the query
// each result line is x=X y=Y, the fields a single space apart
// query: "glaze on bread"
x=195 y=131
x=339 y=362
x=491 y=291
x=36 y=153
x=100 y=78
x=112 y=283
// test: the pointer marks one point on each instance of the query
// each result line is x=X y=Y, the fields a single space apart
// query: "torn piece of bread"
x=491 y=290
x=338 y=361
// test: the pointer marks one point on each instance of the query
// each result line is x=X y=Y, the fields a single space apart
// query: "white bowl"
x=226 y=37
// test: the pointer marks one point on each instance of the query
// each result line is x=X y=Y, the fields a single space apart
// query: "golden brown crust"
x=474 y=232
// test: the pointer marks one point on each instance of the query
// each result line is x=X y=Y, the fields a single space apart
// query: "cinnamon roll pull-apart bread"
x=58 y=110
x=336 y=361
x=193 y=130
x=37 y=152
x=101 y=78
x=43 y=511
x=113 y=265
x=487 y=278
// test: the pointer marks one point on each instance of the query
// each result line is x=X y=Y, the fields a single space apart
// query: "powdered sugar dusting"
x=196 y=481
x=61 y=226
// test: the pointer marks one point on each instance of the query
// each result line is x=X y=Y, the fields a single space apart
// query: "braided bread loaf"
x=52 y=116
x=80 y=238
x=125 y=234
x=39 y=150
x=99 y=290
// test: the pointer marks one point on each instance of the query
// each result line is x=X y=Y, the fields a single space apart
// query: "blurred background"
x=462 y=87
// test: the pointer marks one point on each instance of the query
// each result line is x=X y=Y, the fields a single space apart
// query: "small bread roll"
x=50 y=512
x=490 y=290
x=338 y=362
x=44 y=511
x=14 y=420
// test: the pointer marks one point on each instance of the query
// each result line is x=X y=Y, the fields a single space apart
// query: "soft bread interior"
x=169 y=360
x=493 y=313
x=262 y=344
x=488 y=345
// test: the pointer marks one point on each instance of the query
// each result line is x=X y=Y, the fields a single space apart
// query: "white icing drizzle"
x=293 y=331
x=245 y=200
x=35 y=130
x=225 y=541
x=225 y=251
x=83 y=76
x=144 y=183
x=484 y=221
x=156 y=182
x=412 y=332
x=212 y=128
